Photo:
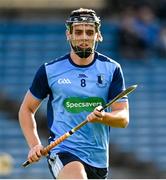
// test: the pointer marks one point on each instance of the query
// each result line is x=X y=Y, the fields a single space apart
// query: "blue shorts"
x=61 y=159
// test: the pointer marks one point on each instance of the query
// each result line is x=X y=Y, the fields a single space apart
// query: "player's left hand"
x=35 y=153
x=96 y=115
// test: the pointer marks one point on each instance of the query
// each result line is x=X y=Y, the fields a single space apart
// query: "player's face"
x=83 y=35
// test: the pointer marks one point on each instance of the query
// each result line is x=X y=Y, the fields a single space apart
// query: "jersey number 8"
x=83 y=82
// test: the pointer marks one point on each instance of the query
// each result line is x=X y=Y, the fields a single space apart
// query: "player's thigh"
x=73 y=170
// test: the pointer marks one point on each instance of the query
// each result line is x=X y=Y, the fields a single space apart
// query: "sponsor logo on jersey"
x=77 y=104
x=64 y=81
x=82 y=76
x=101 y=82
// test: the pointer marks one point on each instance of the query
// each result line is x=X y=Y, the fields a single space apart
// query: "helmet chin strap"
x=82 y=52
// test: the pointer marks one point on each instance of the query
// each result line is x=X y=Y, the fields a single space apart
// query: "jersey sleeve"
x=117 y=85
x=39 y=87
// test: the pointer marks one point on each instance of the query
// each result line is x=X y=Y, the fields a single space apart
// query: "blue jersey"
x=74 y=91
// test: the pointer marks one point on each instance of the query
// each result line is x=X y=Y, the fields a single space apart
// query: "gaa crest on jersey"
x=64 y=81
x=101 y=81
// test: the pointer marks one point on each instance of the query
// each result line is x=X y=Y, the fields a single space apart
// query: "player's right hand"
x=97 y=115
x=35 y=153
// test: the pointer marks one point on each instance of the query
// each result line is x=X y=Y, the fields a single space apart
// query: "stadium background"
x=33 y=32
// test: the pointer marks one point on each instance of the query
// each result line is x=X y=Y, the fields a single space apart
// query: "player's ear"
x=99 y=37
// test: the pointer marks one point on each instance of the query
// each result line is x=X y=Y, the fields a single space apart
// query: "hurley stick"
x=46 y=149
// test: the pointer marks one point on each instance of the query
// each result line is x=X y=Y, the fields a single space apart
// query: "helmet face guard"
x=82 y=52
x=83 y=18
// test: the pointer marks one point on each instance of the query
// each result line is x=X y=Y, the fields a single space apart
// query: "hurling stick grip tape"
x=62 y=138
x=46 y=149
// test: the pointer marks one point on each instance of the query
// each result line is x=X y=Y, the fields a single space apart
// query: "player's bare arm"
x=118 y=117
x=28 y=125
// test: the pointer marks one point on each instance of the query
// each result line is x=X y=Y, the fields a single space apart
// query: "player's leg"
x=73 y=170
x=66 y=166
